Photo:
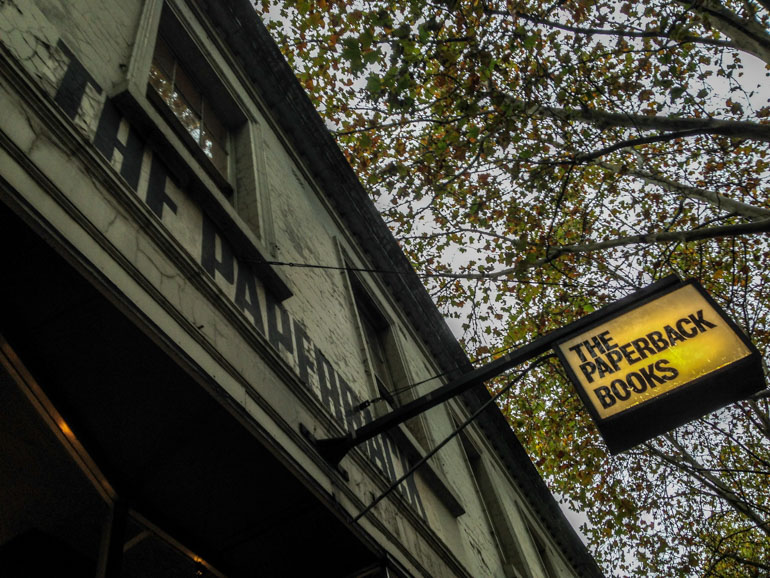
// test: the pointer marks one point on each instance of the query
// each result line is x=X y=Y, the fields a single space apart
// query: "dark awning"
x=168 y=446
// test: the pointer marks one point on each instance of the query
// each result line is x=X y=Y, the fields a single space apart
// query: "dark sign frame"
x=682 y=404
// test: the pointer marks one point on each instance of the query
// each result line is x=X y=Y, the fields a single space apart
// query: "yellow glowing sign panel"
x=651 y=350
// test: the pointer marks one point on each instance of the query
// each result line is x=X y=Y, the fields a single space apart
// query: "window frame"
x=202 y=112
x=375 y=326
x=177 y=32
x=377 y=331
x=414 y=446
x=383 y=358
x=247 y=192
x=498 y=519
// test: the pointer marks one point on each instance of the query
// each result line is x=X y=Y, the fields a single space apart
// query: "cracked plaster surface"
x=34 y=42
x=32 y=39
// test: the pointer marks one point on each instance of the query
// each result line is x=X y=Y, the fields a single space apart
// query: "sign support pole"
x=334 y=449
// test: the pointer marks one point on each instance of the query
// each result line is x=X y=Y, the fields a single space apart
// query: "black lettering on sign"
x=607 y=357
x=700 y=323
x=411 y=491
x=656 y=340
x=578 y=350
x=377 y=450
x=305 y=365
x=614 y=357
x=278 y=335
x=604 y=396
x=218 y=261
x=349 y=403
x=672 y=335
x=588 y=368
x=328 y=385
x=643 y=347
x=157 y=197
x=607 y=341
x=683 y=330
x=629 y=353
x=650 y=377
x=601 y=367
x=635 y=383
x=620 y=389
x=670 y=372
x=594 y=346
x=389 y=450
x=107 y=140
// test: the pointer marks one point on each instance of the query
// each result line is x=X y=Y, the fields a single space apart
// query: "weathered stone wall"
x=92 y=173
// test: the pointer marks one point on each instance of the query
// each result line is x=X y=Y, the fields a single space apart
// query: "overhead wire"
x=398 y=391
x=411 y=273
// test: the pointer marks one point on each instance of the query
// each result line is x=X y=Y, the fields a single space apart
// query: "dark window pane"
x=161 y=83
x=216 y=152
x=214 y=142
x=163 y=58
x=188 y=92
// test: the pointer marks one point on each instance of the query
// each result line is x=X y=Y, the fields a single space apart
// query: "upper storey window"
x=387 y=365
x=188 y=99
x=380 y=343
x=192 y=109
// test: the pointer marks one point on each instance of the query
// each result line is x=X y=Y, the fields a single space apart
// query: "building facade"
x=165 y=368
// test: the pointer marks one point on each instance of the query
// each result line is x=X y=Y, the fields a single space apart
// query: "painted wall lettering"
x=123 y=147
x=72 y=88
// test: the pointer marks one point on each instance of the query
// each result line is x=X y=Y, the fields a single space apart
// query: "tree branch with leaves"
x=539 y=160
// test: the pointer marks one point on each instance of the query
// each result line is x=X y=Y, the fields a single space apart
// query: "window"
x=379 y=344
x=491 y=501
x=148 y=552
x=198 y=105
x=542 y=553
x=53 y=512
x=391 y=375
x=188 y=97
x=60 y=512
x=194 y=111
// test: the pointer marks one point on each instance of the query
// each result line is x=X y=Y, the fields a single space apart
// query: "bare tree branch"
x=686 y=462
x=712 y=197
x=748 y=35
x=603 y=119
x=618 y=32
x=755 y=227
x=630 y=143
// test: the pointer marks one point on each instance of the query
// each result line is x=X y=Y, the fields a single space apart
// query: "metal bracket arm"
x=334 y=449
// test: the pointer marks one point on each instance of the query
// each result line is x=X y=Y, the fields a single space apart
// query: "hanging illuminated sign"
x=670 y=359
